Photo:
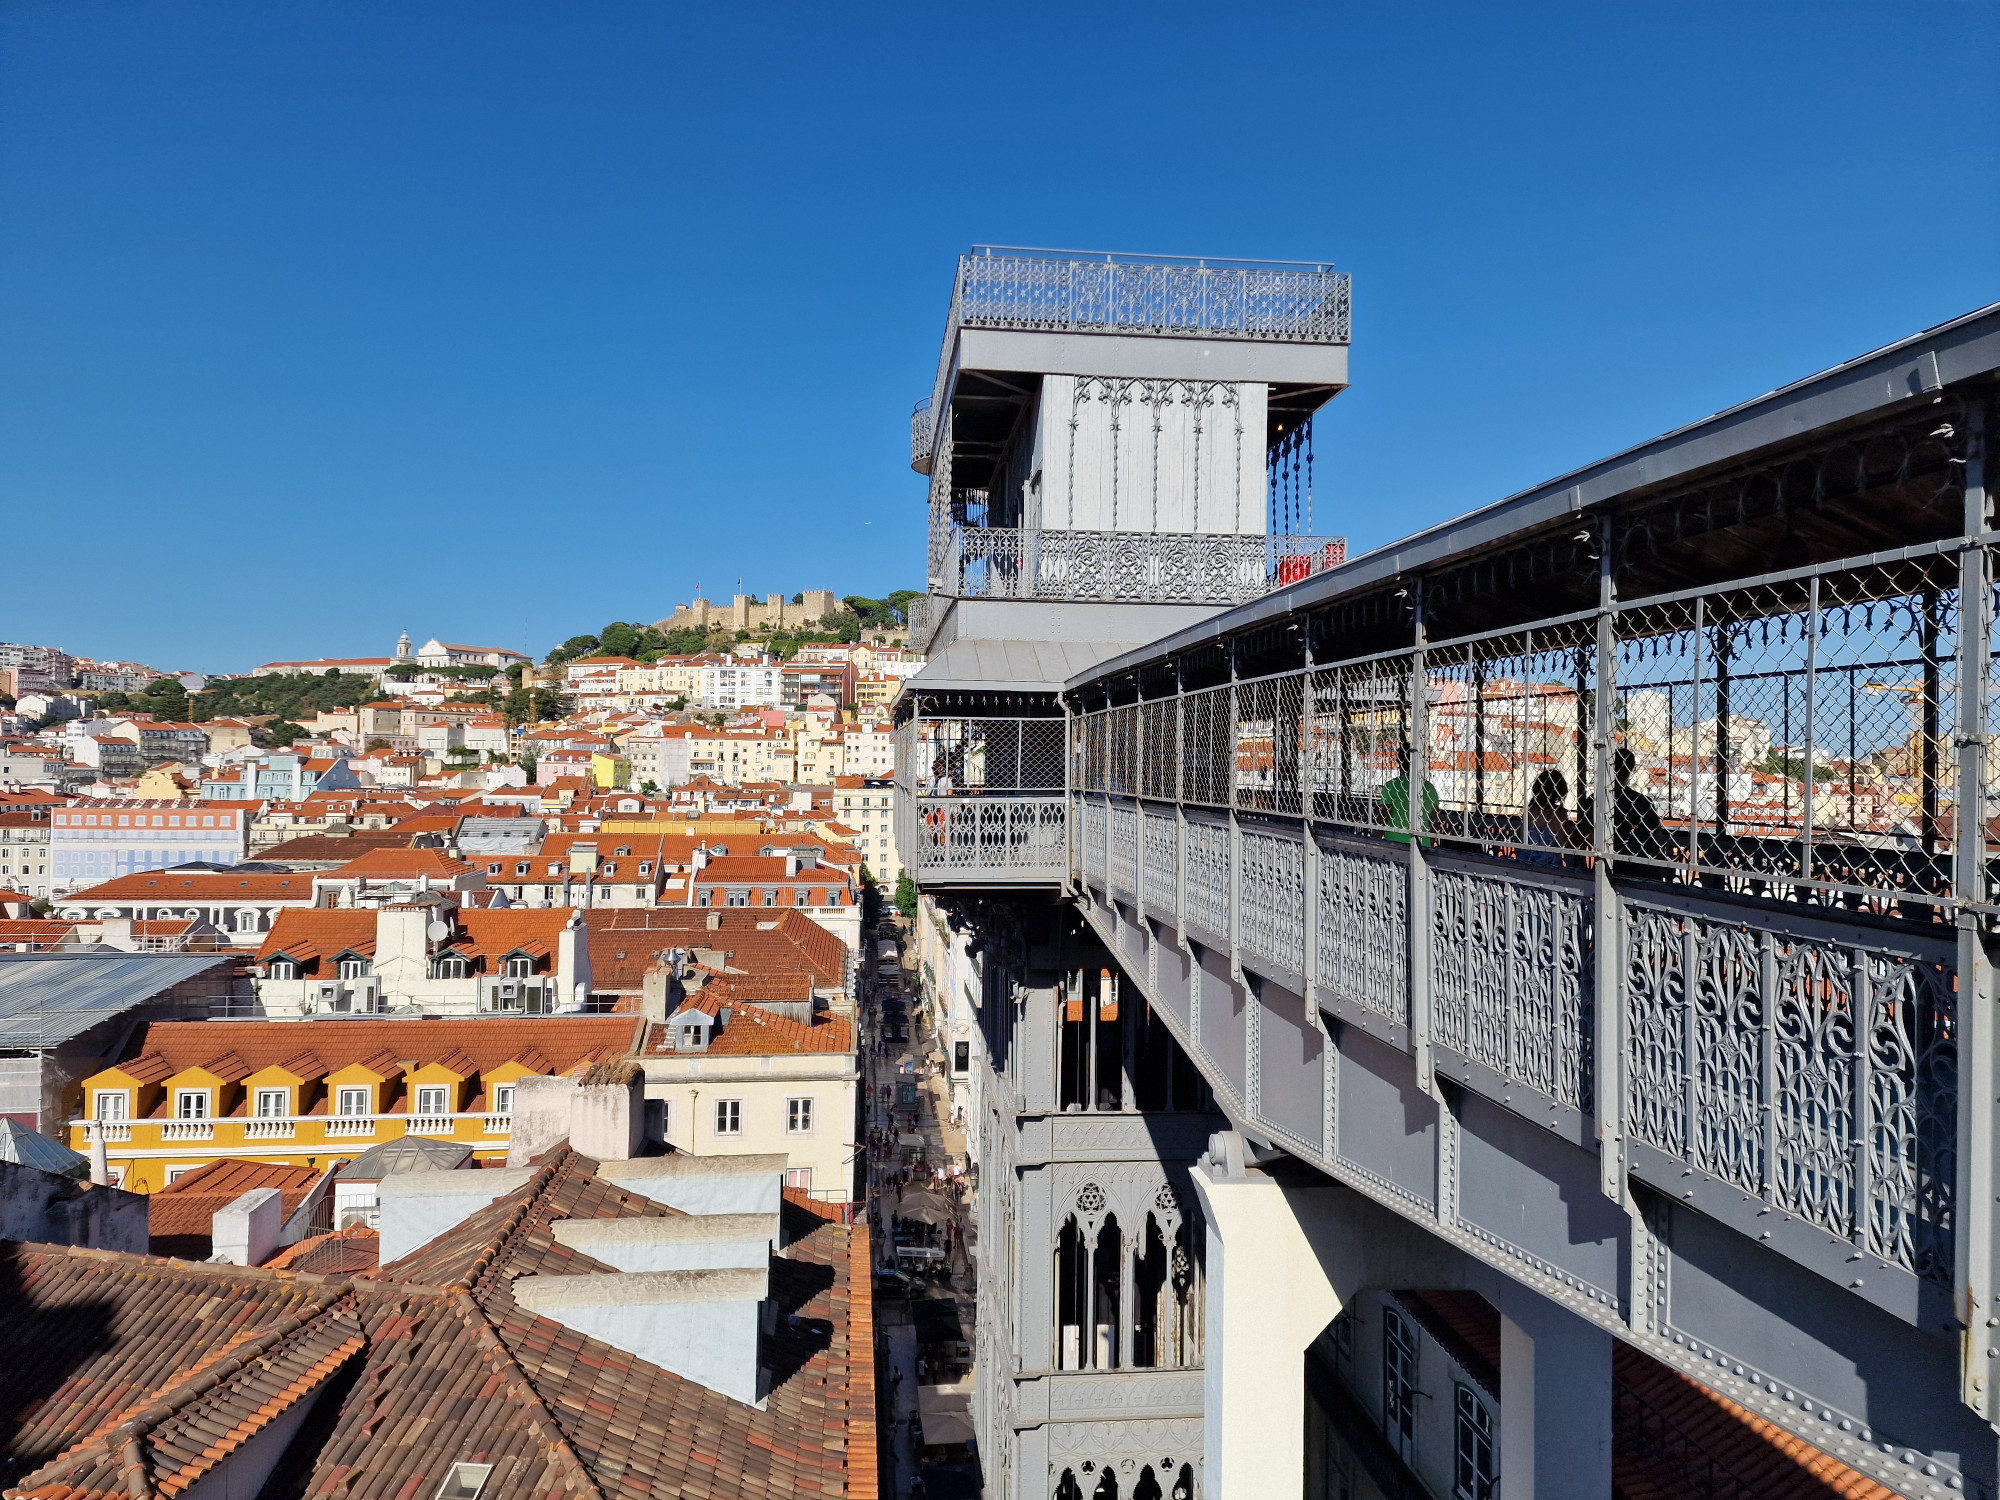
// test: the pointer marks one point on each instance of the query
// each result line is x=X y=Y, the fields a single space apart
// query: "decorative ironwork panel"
x=1511 y=979
x=1268 y=744
x=1016 y=837
x=1911 y=1052
x=1657 y=1090
x=1729 y=1003
x=1364 y=930
x=920 y=434
x=1124 y=836
x=1273 y=893
x=1160 y=837
x=1093 y=842
x=1161 y=567
x=1358 y=740
x=1206 y=747
x=1287 y=303
x=1758 y=1073
x=1207 y=855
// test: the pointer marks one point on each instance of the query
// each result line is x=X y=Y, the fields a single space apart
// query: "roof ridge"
x=126 y=1432
x=531 y=1195
x=576 y=1473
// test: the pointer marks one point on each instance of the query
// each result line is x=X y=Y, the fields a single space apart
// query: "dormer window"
x=645 y=867
x=770 y=897
x=449 y=966
x=190 y=1104
x=622 y=849
x=521 y=867
x=284 y=968
x=518 y=966
x=354 y=966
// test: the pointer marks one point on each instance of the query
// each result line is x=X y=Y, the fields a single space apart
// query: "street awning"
x=946 y=1413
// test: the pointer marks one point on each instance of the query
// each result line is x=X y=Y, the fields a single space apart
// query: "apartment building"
x=187 y=1093
x=727 y=1076
x=863 y=805
x=92 y=842
x=423 y=954
x=24 y=850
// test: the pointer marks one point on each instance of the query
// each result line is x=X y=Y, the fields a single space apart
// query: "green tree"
x=575 y=646
x=282 y=732
x=906 y=895
x=618 y=639
x=899 y=601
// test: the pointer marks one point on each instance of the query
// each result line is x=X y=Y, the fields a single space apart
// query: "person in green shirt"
x=1395 y=797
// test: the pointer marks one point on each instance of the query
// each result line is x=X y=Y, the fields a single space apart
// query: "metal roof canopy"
x=1905 y=373
x=973 y=664
x=48 y=998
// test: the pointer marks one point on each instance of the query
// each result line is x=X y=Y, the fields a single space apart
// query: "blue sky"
x=497 y=321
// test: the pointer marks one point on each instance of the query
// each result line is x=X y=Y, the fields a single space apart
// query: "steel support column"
x=1975 y=1274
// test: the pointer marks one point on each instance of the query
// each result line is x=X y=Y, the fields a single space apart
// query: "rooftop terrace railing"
x=1160 y=296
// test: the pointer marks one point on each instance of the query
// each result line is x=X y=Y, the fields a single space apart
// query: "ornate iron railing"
x=1069 y=291
x=925 y=614
x=920 y=436
x=988 y=840
x=1794 y=737
x=1066 y=291
x=1160 y=567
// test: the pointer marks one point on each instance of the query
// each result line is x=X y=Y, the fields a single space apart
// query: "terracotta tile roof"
x=311 y=934
x=345 y=1252
x=187 y=1206
x=752 y=1032
x=760 y=939
x=560 y=1041
x=170 y=885
x=304 y=1066
x=1672 y=1436
x=320 y=848
x=401 y=864
x=314 y=932
x=92 y=1338
x=766 y=870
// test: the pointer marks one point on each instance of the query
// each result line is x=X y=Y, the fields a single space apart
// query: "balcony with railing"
x=981 y=802
x=1143 y=567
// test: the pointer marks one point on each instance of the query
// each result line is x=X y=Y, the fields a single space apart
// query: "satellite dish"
x=437 y=932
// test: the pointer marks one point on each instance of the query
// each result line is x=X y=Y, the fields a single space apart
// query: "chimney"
x=791 y=864
x=608 y=1111
x=572 y=965
x=715 y=921
x=246 y=1232
x=582 y=858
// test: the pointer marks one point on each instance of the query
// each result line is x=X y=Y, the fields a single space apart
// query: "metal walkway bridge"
x=1603 y=882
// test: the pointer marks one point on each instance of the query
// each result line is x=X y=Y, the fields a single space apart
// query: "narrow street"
x=925 y=1239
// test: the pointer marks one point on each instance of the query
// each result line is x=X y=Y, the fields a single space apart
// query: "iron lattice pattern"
x=1819 y=1076
x=1294 y=304
x=1156 y=567
x=1795 y=740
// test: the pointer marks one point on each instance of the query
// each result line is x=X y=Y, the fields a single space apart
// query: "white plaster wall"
x=1180 y=456
x=828 y=1148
